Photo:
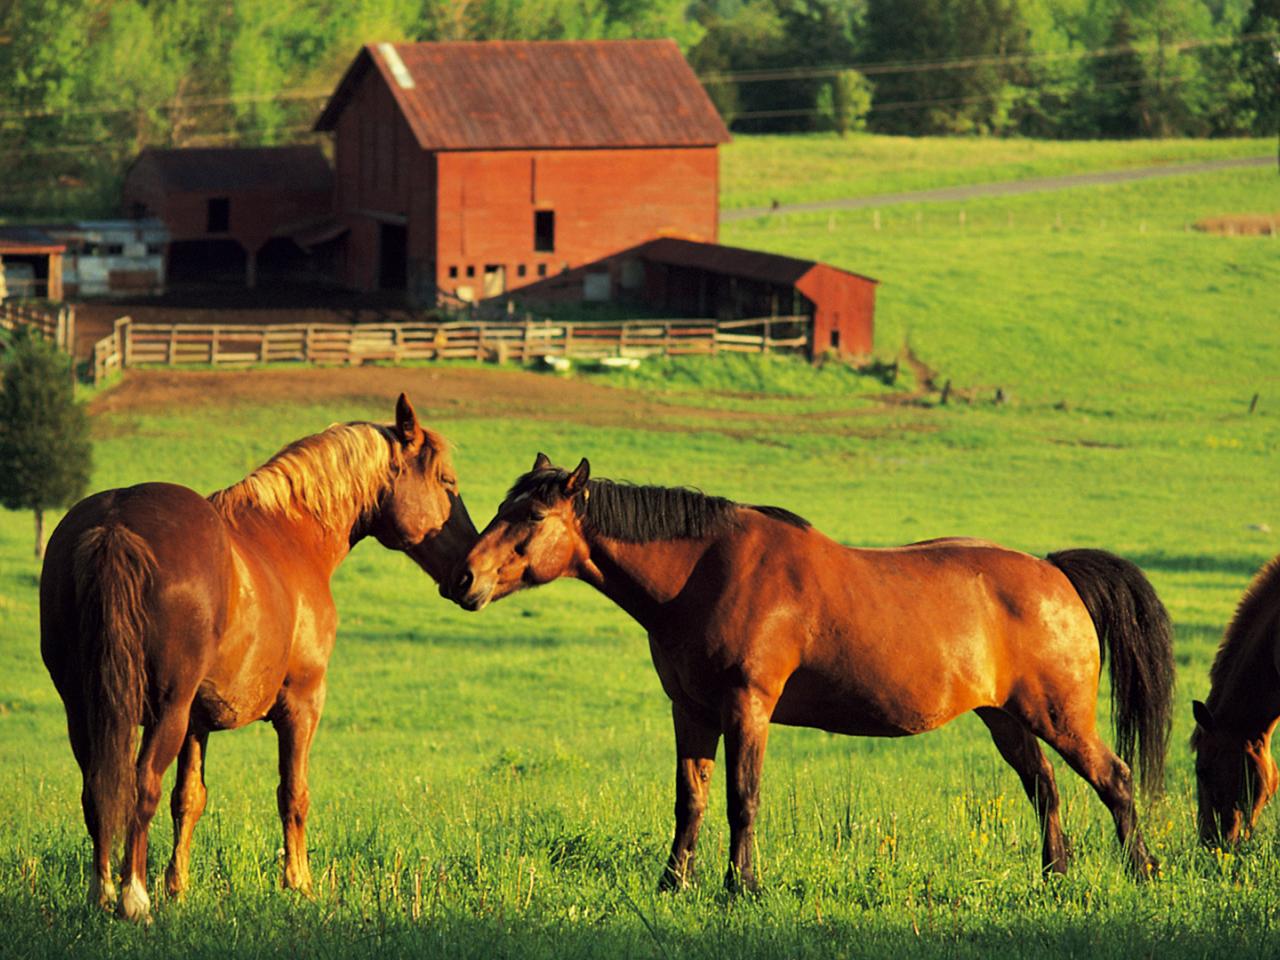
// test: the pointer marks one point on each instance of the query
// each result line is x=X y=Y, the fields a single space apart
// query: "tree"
x=45 y=454
x=845 y=101
x=1260 y=64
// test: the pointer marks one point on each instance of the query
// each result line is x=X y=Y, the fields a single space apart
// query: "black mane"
x=638 y=514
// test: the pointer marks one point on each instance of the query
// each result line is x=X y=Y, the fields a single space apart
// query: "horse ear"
x=578 y=479
x=406 y=420
x=1203 y=715
x=542 y=462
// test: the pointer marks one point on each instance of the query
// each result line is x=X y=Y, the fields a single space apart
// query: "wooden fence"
x=53 y=323
x=133 y=344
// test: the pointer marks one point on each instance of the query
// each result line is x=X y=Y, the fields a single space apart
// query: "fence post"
x=173 y=344
x=764 y=344
x=123 y=346
x=568 y=340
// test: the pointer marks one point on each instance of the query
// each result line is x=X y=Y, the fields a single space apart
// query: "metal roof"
x=233 y=169
x=495 y=95
x=16 y=240
x=732 y=261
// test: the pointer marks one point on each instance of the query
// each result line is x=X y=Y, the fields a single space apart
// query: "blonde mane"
x=334 y=477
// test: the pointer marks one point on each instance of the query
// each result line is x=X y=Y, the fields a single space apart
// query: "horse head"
x=535 y=537
x=1235 y=777
x=422 y=512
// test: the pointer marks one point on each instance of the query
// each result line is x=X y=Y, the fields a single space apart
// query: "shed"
x=229 y=210
x=30 y=263
x=465 y=170
x=711 y=280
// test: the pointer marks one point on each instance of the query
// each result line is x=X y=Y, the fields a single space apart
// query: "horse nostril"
x=463 y=581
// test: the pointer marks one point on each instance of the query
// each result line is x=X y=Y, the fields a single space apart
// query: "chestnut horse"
x=161 y=608
x=1235 y=772
x=755 y=617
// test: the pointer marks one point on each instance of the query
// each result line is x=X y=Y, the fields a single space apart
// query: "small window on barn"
x=219 y=220
x=113 y=249
x=542 y=269
x=544 y=231
x=453 y=273
x=155 y=249
x=471 y=270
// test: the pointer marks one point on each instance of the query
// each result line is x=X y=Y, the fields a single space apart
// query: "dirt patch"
x=1242 y=225
x=455 y=392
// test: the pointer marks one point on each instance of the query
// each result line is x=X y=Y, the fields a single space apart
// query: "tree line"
x=86 y=84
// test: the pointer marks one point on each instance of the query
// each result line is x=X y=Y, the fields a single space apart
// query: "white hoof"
x=135 y=905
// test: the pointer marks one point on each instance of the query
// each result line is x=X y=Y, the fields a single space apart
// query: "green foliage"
x=45 y=454
x=845 y=102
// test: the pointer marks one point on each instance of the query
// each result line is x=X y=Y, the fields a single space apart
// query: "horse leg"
x=160 y=745
x=1020 y=749
x=695 y=760
x=102 y=886
x=1110 y=778
x=187 y=804
x=745 y=721
x=295 y=720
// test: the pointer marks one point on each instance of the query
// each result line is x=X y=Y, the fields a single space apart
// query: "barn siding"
x=604 y=201
x=843 y=302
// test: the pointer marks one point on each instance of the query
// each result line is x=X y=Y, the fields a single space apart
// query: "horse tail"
x=112 y=570
x=1134 y=627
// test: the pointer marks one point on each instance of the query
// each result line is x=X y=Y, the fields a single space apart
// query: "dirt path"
x=1012 y=188
x=458 y=392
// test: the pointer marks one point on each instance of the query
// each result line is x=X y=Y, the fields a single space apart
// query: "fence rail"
x=53 y=323
x=133 y=344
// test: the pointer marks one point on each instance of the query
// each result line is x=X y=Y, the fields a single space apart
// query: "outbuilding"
x=230 y=211
x=30 y=263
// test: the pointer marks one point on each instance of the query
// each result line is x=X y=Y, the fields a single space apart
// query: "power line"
x=958 y=63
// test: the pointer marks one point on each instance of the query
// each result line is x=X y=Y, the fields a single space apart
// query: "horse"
x=1235 y=773
x=754 y=617
x=182 y=614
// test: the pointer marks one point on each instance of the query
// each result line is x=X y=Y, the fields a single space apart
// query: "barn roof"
x=496 y=95
x=732 y=261
x=232 y=169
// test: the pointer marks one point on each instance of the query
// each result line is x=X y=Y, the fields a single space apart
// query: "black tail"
x=1134 y=627
x=112 y=569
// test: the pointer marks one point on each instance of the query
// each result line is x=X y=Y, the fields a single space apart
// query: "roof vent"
x=398 y=69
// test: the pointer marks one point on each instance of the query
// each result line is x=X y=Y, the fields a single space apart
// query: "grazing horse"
x=161 y=608
x=755 y=617
x=1235 y=772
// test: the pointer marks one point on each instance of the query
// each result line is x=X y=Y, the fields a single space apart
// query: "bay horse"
x=1235 y=772
x=183 y=615
x=755 y=617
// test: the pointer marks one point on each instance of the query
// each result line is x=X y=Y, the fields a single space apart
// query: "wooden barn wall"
x=377 y=174
x=604 y=201
x=843 y=303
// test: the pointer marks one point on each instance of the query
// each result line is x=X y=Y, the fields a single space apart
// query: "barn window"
x=544 y=231
x=219 y=219
x=521 y=270
x=542 y=269
x=471 y=271
x=453 y=273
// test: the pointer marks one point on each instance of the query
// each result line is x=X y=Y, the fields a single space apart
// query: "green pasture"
x=799 y=168
x=499 y=784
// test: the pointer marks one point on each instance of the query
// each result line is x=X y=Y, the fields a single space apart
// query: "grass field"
x=500 y=784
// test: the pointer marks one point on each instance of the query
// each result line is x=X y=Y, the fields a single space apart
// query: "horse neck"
x=305 y=540
x=641 y=578
x=1245 y=693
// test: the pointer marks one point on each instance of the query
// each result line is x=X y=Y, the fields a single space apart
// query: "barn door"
x=393 y=256
x=495 y=280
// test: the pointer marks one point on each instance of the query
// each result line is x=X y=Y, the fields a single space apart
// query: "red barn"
x=471 y=169
x=711 y=280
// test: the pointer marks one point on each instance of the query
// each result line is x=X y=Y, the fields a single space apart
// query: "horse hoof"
x=135 y=905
